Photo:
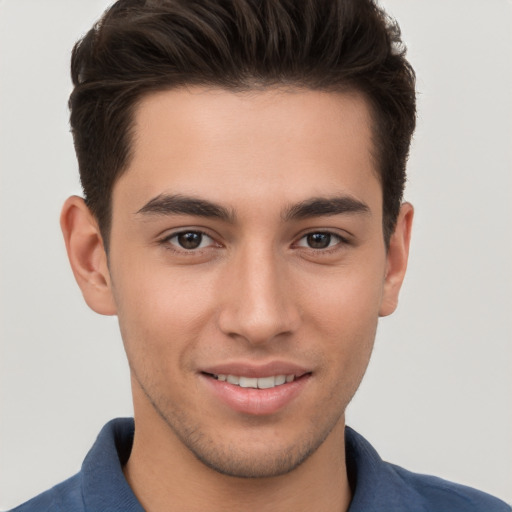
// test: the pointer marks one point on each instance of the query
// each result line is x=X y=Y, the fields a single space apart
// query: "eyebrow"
x=165 y=204
x=178 y=204
x=321 y=206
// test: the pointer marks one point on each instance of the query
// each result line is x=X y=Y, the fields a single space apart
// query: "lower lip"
x=255 y=401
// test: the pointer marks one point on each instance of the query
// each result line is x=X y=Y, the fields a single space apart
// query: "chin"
x=253 y=455
x=243 y=464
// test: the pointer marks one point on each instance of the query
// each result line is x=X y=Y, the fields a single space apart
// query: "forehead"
x=290 y=143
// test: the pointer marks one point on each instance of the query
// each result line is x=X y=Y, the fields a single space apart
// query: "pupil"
x=319 y=240
x=190 y=240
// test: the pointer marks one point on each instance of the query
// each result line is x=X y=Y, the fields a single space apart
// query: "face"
x=248 y=270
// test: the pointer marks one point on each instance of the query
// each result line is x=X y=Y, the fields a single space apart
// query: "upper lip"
x=248 y=369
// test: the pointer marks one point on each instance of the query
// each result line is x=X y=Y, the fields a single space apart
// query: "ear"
x=397 y=256
x=87 y=255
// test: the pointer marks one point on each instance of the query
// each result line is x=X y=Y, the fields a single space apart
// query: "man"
x=243 y=168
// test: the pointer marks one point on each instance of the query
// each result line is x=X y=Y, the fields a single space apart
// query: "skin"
x=254 y=291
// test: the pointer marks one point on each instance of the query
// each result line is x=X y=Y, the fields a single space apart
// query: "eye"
x=319 y=240
x=190 y=240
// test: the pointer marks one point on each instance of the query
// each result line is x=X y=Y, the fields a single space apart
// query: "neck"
x=163 y=473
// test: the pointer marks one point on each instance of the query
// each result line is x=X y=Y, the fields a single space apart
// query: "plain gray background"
x=437 y=397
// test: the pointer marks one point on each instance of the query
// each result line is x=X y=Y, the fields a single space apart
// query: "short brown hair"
x=141 y=46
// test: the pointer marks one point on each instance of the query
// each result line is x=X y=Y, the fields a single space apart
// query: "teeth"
x=256 y=383
x=246 y=382
x=280 y=379
x=233 y=379
x=266 y=382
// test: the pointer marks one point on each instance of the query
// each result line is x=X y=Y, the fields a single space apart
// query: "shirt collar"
x=376 y=486
x=104 y=486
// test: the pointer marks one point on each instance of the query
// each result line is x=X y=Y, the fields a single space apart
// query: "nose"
x=259 y=304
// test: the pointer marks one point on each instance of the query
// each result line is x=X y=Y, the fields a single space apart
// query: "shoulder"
x=379 y=486
x=441 y=495
x=100 y=484
x=64 y=497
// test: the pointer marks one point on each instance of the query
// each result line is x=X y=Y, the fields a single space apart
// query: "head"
x=143 y=46
x=244 y=161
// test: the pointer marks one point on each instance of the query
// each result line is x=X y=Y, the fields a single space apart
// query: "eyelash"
x=341 y=241
x=166 y=242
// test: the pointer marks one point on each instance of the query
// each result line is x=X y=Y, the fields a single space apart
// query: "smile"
x=255 y=382
x=246 y=392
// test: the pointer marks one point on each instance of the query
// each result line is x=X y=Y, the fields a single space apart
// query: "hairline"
x=245 y=87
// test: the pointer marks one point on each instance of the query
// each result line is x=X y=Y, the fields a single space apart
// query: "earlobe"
x=87 y=256
x=397 y=257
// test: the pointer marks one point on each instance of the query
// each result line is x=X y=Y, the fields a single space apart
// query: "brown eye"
x=190 y=240
x=318 y=240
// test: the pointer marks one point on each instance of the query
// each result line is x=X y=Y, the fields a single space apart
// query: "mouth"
x=269 y=382
x=255 y=391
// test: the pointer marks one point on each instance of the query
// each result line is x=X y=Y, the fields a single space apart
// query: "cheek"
x=343 y=310
x=347 y=299
x=161 y=313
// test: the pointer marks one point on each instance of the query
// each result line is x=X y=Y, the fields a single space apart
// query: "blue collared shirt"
x=377 y=486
